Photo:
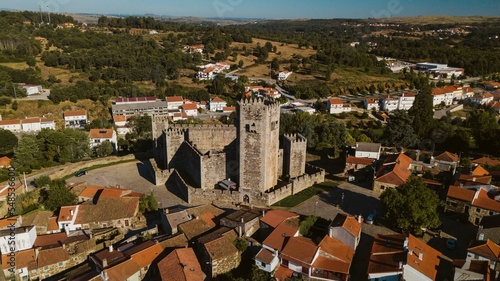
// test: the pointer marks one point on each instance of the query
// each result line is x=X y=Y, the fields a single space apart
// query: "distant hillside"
x=437 y=19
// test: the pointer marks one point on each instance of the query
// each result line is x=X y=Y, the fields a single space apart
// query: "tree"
x=275 y=64
x=148 y=203
x=27 y=154
x=399 y=131
x=14 y=105
x=305 y=225
x=104 y=149
x=422 y=112
x=7 y=142
x=411 y=206
x=58 y=195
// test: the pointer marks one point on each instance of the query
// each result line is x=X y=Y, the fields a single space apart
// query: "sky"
x=269 y=9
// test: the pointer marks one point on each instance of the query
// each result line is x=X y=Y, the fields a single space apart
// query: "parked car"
x=81 y=173
x=371 y=217
x=450 y=243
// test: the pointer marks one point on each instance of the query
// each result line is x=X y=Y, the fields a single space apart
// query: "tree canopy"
x=411 y=206
x=399 y=131
x=7 y=142
x=422 y=112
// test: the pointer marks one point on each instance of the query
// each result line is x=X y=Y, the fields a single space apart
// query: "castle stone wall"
x=215 y=196
x=188 y=161
x=211 y=137
x=174 y=140
x=213 y=169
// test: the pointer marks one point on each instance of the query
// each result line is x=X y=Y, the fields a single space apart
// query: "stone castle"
x=198 y=157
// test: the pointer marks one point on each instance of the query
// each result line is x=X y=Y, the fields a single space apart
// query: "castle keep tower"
x=258 y=144
x=294 y=162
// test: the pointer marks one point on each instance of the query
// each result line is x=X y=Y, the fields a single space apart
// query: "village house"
x=489 y=229
x=174 y=102
x=472 y=270
x=485 y=250
x=283 y=75
x=473 y=202
x=228 y=109
x=337 y=106
x=306 y=109
x=170 y=220
x=4 y=162
x=371 y=104
x=368 y=150
x=482 y=99
x=27 y=125
x=107 y=212
x=244 y=221
x=490 y=85
x=393 y=172
x=75 y=119
x=190 y=109
x=219 y=255
x=121 y=123
x=24 y=239
x=398 y=257
x=43 y=221
x=5 y=193
x=495 y=105
x=467 y=93
x=181 y=264
x=194 y=48
x=24 y=261
x=209 y=71
x=98 y=136
x=353 y=164
x=388 y=103
x=446 y=162
x=406 y=100
x=32 y=89
x=217 y=104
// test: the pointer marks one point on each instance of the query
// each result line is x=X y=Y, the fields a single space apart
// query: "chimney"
x=110 y=248
x=481 y=237
x=360 y=219
x=400 y=265
x=405 y=244
x=240 y=231
x=420 y=255
x=104 y=263
x=263 y=212
x=242 y=220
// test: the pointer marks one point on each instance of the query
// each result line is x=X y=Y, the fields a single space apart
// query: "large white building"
x=371 y=104
x=24 y=238
x=217 y=104
x=444 y=95
x=406 y=100
x=337 y=106
x=440 y=69
x=174 y=102
x=208 y=71
x=388 y=103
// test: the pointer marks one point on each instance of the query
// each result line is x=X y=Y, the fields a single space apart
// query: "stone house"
x=218 y=253
x=354 y=164
x=20 y=266
x=485 y=251
x=346 y=229
x=170 y=221
x=181 y=264
x=473 y=202
x=393 y=172
x=245 y=221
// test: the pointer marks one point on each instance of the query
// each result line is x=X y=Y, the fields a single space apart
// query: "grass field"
x=296 y=199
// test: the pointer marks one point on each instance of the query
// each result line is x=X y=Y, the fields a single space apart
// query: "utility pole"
x=48 y=12
x=41 y=14
x=15 y=94
x=25 y=184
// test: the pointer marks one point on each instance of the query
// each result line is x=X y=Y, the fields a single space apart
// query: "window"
x=45 y=267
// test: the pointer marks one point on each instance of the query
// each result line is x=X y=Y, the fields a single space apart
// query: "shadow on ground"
x=351 y=202
x=146 y=170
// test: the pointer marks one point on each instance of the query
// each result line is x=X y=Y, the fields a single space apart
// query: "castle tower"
x=294 y=158
x=258 y=144
x=159 y=127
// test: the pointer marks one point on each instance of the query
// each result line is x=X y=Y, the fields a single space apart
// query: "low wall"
x=161 y=176
x=199 y=196
x=75 y=167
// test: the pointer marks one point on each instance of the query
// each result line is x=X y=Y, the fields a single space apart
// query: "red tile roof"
x=221 y=247
x=265 y=255
x=122 y=271
x=349 y=223
x=23 y=258
x=8 y=221
x=90 y=191
x=229 y=108
x=487 y=249
x=217 y=99
x=483 y=201
x=429 y=261
x=337 y=249
x=387 y=251
x=336 y=101
x=51 y=256
x=10 y=122
x=395 y=173
x=283 y=273
x=50 y=239
x=174 y=99
x=277 y=238
x=147 y=256
x=101 y=133
x=274 y=218
x=445 y=90
x=5 y=161
x=190 y=106
x=180 y=265
x=75 y=113
x=461 y=193
x=480 y=171
x=447 y=156
x=52 y=224
x=120 y=118
x=358 y=160
x=486 y=161
x=300 y=250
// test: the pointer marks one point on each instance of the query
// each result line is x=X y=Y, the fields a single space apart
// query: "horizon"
x=261 y=9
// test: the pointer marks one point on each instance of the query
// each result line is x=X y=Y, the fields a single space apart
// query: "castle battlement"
x=269 y=103
x=175 y=132
x=295 y=138
x=200 y=126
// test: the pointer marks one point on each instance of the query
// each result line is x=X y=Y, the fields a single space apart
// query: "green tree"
x=241 y=244
x=411 y=206
x=275 y=64
x=148 y=203
x=422 y=112
x=104 y=149
x=399 y=131
x=27 y=154
x=43 y=181
x=305 y=225
x=7 y=142
x=58 y=195
x=14 y=105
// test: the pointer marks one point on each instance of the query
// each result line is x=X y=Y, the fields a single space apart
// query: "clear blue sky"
x=267 y=8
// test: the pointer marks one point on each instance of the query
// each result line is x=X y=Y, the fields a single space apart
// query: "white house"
x=191 y=109
x=335 y=105
x=174 y=102
x=217 y=104
x=484 y=251
x=405 y=101
x=75 y=118
x=368 y=150
x=208 y=71
x=27 y=125
x=121 y=123
x=307 y=109
x=283 y=75
x=32 y=89
x=483 y=98
x=11 y=125
x=67 y=217
x=24 y=238
x=388 y=103
x=98 y=136
x=371 y=104
x=194 y=48
x=467 y=93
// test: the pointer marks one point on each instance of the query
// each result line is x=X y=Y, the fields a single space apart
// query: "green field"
x=296 y=199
